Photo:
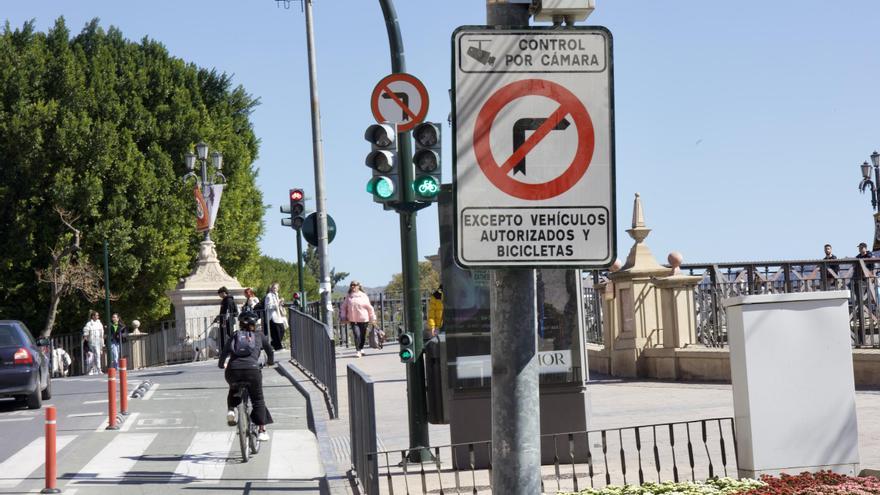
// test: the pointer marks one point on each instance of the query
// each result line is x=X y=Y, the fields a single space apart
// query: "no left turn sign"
x=534 y=147
x=401 y=99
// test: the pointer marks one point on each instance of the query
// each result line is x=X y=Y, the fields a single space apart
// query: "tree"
x=285 y=273
x=310 y=260
x=98 y=125
x=66 y=275
x=429 y=279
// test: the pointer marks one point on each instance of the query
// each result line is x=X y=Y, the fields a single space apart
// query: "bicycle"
x=248 y=432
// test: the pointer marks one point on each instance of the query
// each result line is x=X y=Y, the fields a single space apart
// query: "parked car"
x=24 y=366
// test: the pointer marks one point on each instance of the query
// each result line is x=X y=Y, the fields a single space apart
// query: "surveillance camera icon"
x=481 y=56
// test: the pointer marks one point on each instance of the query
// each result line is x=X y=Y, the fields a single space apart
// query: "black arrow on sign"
x=519 y=136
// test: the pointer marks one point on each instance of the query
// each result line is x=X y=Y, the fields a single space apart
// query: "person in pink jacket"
x=357 y=310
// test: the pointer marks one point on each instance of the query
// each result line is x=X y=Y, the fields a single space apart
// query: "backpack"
x=244 y=343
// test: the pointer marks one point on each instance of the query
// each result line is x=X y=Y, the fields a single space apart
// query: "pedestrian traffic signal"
x=426 y=159
x=297 y=208
x=383 y=160
x=407 y=353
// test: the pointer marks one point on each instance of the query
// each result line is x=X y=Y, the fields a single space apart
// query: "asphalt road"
x=175 y=439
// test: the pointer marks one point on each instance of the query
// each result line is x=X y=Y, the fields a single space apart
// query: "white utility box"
x=793 y=389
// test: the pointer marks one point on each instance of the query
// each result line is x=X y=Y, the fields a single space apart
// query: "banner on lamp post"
x=203 y=221
x=213 y=200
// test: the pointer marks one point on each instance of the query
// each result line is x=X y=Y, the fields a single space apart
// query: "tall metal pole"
x=106 y=297
x=318 y=153
x=299 y=268
x=516 y=421
x=409 y=250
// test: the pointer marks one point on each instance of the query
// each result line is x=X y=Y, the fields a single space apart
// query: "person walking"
x=226 y=318
x=93 y=332
x=250 y=300
x=275 y=316
x=435 y=311
x=357 y=311
x=117 y=333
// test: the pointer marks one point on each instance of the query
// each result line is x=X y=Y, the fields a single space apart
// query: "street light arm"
x=190 y=175
x=222 y=178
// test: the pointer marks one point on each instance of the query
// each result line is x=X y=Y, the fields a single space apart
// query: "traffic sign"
x=401 y=99
x=533 y=166
x=310 y=229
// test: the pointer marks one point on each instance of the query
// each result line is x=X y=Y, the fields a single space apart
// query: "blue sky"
x=741 y=125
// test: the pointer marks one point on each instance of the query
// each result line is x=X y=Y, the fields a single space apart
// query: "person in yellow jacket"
x=435 y=311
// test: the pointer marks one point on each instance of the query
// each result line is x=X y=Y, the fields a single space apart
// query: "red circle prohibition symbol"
x=383 y=88
x=499 y=174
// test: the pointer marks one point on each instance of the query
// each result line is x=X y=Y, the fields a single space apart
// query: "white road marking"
x=206 y=456
x=86 y=415
x=150 y=392
x=9 y=420
x=130 y=420
x=116 y=459
x=27 y=460
x=102 y=401
x=294 y=455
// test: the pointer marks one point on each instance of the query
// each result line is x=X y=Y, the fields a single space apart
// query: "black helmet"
x=248 y=318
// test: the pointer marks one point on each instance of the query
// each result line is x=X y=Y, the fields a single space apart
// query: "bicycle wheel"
x=254 y=430
x=243 y=426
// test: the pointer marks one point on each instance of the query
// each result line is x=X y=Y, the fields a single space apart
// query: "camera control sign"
x=534 y=147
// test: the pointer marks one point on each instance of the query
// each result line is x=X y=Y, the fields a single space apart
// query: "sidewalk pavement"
x=614 y=402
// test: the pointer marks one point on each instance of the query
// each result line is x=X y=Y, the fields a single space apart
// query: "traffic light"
x=426 y=160
x=407 y=353
x=385 y=183
x=297 y=208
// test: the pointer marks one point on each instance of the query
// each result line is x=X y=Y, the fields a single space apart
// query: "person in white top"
x=274 y=307
x=93 y=332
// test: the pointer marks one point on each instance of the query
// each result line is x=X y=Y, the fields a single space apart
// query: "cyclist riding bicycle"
x=243 y=350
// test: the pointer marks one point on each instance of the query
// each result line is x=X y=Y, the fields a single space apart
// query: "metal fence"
x=362 y=428
x=691 y=450
x=313 y=351
x=593 y=316
x=725 y=280
x=389 y=310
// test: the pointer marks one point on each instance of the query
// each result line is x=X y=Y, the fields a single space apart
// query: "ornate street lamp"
x=873 y=185
x=204 y=183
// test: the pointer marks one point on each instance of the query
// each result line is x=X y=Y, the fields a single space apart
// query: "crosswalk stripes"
x=26 y=461
x=292 y=455
x=206 y=456
x=116 y=459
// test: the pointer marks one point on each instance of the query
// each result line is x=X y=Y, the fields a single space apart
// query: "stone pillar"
x=138 y=358
x=195 y=297
x=677 y=305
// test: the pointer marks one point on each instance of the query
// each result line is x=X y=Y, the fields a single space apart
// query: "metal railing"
x=362 y=428
x=593 y=316
x=313 y=351
x=389 y=310
x=725 y=280
x=690 y=450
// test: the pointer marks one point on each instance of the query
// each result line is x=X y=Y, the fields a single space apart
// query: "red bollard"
x=123 y=386
x=111 y=394
x=51 y=465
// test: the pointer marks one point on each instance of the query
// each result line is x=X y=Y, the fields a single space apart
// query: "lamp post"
x=867 y=183
x=203 y=183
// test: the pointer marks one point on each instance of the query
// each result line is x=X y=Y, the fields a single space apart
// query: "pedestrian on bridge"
x=117 y=331
x=357 y=311
x=226 y=318
x=93 y=332
x=275 y=315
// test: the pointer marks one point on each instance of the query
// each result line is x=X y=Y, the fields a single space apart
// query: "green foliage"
x=717 y=486
x=429 y=279
x=270 y=270
x=98 y=125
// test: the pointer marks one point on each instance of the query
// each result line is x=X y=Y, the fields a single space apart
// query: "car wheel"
x=47 y=392
x=35 y=400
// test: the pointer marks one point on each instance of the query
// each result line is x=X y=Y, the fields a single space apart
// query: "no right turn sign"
x=534 y=147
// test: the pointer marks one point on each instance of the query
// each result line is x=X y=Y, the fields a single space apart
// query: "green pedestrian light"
x=381 y=187
x=383 y=161
x=407 y=352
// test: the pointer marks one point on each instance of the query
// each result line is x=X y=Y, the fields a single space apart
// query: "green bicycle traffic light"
x=426 y=161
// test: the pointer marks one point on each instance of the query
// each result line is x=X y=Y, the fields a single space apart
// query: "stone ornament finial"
x=639 y=232
x=675 y=258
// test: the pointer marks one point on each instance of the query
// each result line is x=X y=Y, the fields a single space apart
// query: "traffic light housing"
x=407 y=350
x=426 y=161
x=383 y=160
x=297 y=208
